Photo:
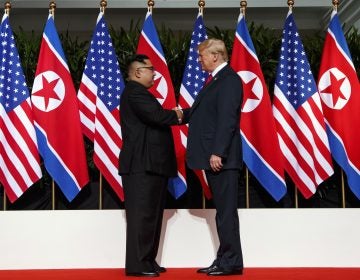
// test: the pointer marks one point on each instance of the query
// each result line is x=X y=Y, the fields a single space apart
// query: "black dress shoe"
x=224 y=272
x=143 y=274
x=160 y=269
x=208 y=269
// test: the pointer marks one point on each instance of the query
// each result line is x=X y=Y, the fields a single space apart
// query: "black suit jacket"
x=147 y=138
x=214 y=122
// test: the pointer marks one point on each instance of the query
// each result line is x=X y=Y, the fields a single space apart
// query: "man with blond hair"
x=214 y=145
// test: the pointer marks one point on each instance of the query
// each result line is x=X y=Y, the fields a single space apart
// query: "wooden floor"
x=186 y=273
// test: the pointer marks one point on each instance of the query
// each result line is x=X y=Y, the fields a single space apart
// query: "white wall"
x=96 y=239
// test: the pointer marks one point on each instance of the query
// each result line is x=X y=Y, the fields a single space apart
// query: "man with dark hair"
x=147 y=159
x=214 y=145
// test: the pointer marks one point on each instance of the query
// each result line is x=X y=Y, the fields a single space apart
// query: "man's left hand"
x=216 y=163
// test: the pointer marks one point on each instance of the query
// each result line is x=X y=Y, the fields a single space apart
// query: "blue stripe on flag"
x=56 y=169
x=51 y=33
x=335 y=28
x=176 y=187
x=243 y=33
x=339 y=154
x=150 y=31
x=263 y=174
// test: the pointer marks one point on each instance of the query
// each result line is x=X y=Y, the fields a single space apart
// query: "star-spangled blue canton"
x=99 y=100
x=13 y=89
x=294 y=77
x=193 y=77
x=19 y=157
x=103 y=68
x=298 y=116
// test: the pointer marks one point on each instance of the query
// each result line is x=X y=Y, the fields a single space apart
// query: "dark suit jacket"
x=147 y=138
x=214 y=122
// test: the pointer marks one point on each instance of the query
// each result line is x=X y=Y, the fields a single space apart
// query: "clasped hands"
x=179 y=113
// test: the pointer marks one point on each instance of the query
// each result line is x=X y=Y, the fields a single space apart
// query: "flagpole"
x=151 y=4
x=201 y=5
x=291 y=4
x=4 y=200
x=343 y=200
x=7 y=7
x=296 y=197
x=52 y=7
x=247 y=195
x=103 y=5
x=342 y=190
x=243 y=5
x=100 y=191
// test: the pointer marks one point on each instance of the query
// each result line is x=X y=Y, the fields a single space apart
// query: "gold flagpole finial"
x=7 y=7
x=103 y=5
x=336 y=4
x=291 y=3
x=201 y=5
x=243 y=5
x=151 y=5
x=52 y=7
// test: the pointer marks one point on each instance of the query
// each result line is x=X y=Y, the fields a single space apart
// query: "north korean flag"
x=260 y=143
x=340 y=94
x=56 y=116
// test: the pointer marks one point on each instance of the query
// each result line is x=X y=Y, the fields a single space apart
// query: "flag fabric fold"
x=340 y=95
x=149 y=44
x=19 y=156
x=299 y=117
x=262 y=157
x=56 y=116
x=99 y=98
x=192 y=82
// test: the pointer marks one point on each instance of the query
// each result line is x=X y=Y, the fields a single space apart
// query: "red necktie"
x=208 y=79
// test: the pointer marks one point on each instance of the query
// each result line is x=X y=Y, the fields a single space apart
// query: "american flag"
x=99 y=98
x=192 y=82
x=340 y=94
x=56 y=116
x=149 y=44
x=299 y=117
x=19 y=157
x=263 y=158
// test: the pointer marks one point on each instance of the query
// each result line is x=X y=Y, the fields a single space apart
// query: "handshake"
x=179 y=113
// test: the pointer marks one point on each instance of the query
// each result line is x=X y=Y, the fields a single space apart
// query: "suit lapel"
x=206 y=88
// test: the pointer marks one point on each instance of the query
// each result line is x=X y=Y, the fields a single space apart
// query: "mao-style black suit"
x=147 y=159
x=214 y=130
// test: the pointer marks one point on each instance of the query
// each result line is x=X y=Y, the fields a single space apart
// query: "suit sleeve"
x=148 y=109
x=228 y=111
x=186 y=117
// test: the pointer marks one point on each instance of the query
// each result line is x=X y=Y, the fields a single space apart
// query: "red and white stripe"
x=303 y=142
x=103 y=128
x=19 y=158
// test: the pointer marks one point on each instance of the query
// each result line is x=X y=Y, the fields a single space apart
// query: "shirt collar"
x=217 y=69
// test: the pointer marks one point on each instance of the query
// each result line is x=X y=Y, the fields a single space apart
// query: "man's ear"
x=137 y=73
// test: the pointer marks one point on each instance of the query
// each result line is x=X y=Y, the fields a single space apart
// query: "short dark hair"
x=136 y=58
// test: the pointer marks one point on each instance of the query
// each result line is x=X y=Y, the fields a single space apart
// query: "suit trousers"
x=145 y=196
x=224 y=187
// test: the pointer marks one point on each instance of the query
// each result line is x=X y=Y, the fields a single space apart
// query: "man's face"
x=146 y=73
x=207 y=60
